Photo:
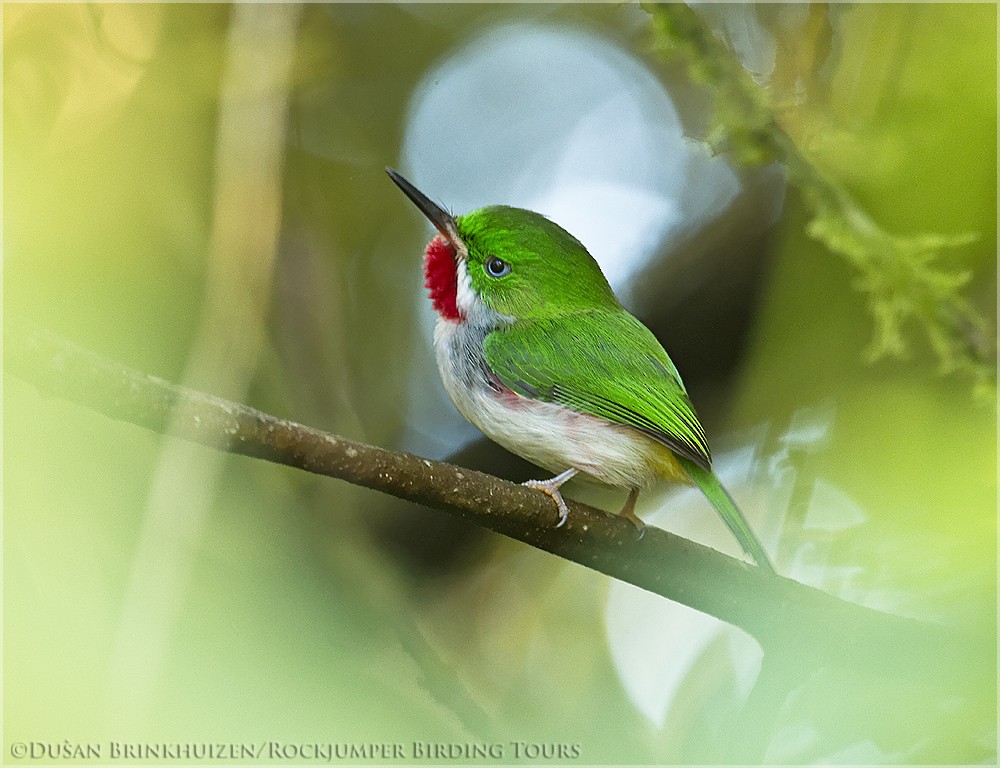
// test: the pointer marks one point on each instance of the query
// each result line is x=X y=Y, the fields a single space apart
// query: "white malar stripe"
x=465 y=297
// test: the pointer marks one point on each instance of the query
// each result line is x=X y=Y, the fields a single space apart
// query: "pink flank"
x=507 y=396
x=441 y=278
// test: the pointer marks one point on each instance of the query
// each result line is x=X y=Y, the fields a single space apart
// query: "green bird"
x=535 y=350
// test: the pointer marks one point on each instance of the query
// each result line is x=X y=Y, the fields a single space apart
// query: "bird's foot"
x=542 y=486
x=628 y=512
x=551 y=488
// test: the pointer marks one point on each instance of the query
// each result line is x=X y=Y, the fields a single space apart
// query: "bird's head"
x=512 y=261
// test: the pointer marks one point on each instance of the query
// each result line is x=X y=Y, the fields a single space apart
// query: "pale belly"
x=549 y=435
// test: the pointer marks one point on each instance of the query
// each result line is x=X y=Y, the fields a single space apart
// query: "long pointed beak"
x=440 y=218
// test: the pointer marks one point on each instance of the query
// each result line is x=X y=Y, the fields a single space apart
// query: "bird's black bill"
x=440 y=218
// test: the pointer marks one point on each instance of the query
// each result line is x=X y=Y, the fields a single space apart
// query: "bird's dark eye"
x=496 y=267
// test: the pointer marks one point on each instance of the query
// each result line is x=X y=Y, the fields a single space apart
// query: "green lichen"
x=906 y=287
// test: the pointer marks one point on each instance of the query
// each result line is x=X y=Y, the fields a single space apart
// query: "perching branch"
x=783 y=615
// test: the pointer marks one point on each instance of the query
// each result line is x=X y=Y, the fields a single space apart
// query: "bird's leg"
x=628 y=511
x=551 y=487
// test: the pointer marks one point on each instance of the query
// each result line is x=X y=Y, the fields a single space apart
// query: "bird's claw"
x=633 y=518
x=545 y=486
x=628 y=512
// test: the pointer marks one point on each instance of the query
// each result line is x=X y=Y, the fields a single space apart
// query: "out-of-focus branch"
x=229 y=337
x=901 y=276
x=786 y=617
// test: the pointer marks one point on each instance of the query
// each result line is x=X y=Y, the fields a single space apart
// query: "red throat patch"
x=441 y=278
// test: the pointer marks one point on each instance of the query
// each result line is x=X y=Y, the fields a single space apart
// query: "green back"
x=605 y=363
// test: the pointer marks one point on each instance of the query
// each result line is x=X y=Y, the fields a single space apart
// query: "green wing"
x=606 y=364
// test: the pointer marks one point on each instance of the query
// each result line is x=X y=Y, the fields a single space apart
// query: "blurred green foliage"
x=821 y=135
x=293 y=620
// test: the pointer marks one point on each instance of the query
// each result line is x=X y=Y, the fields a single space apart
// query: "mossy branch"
x=900 y=276
x=786 y=617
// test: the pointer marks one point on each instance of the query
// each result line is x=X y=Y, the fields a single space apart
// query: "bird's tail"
x=719 y=497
